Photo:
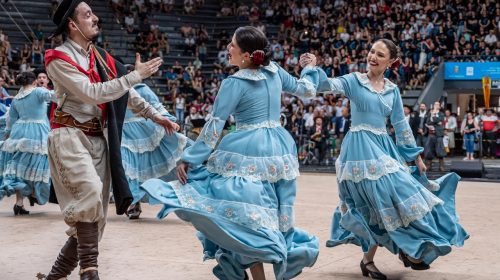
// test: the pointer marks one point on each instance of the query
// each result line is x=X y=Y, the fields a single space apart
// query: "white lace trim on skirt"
x=372 y=169
x=272 y=169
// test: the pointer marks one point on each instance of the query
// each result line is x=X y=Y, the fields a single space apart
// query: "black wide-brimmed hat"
x=63 y=12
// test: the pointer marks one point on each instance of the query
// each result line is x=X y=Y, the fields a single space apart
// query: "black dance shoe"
x=370 y=273
x=33 y=200
x=19 y=210
x=413 y=265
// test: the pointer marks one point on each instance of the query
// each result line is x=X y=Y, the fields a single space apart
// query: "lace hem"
x=367 y=127
x=271 y=169
x=26 y=173
x=404 y=135
x=265 y=124
x=145 y=144
x=308 y=85
x=211 y=131
x=156 y=171
x=402 y=214
x=245 y=214
x=25 y=145
x=372 y=169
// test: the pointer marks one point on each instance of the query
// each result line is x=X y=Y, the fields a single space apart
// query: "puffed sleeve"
x=305 y=87
x=337 y=85
x=405 y=141
x=13 y=117
x=45 y=95
x=225 y=104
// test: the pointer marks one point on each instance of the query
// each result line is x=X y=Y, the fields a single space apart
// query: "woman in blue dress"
x=24 y=167
x=4 y=110
x=381 y=203
x=147 y=150
x=241 y=200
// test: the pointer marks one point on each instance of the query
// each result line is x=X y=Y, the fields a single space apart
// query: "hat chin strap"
x=80 y=31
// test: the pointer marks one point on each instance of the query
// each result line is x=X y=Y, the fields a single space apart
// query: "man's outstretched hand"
x=148 y=68
x=170 y=126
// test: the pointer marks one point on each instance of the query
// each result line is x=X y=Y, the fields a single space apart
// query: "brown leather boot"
x=88 y=238
x=441 y=164
x=66 y=261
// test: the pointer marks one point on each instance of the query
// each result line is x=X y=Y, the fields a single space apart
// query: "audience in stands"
x=339 y=32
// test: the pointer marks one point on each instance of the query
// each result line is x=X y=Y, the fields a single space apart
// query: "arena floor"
x=168 y=249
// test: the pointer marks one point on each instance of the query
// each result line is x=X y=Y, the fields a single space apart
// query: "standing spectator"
x=342 y=125
x=318 y=134
x=412 y=119
x=180 y=104
x=37 y=52
x=189 y=45
x=489 y=122
x=469 y=129
x=422 y=129
x=38 y=34
x=450 y=126
x=7 y=48
x=129 y=21
x=434 y=147
x=163 y=44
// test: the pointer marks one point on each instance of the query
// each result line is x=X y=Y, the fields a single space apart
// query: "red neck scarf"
x=52 y=54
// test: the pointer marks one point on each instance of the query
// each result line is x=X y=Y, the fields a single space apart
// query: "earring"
x=243 y=61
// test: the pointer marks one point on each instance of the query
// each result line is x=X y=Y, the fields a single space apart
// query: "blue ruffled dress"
x=147 y=151
x=382 y=203
x=24 y=163
x=3 y=121
x=241 y=200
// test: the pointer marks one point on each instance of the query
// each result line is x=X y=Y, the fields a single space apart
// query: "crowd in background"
x=338 y=32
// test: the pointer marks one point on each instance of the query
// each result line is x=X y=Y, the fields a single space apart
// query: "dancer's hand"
x=170 y=126
x=146 y=69
x=420 y=165
x=307 y=59
x=182 y=172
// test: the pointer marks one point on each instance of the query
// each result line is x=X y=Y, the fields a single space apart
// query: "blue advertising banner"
x=471 y=70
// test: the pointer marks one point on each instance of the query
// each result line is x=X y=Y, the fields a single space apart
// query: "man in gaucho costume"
x=93 y=91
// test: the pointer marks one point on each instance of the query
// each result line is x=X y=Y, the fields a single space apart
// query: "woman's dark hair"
x=25 y=78
x=393 y=51
x=254 y=41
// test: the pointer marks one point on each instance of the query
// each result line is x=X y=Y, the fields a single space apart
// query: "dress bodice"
x=259 y=144
x=30 y=105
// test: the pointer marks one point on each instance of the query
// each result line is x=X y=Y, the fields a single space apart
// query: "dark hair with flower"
x=254 y=41
x=258 y=57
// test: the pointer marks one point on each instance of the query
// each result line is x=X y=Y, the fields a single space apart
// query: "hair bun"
x=258 y=57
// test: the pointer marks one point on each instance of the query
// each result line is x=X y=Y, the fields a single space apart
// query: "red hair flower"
x=257 y=57
x=396 y=63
